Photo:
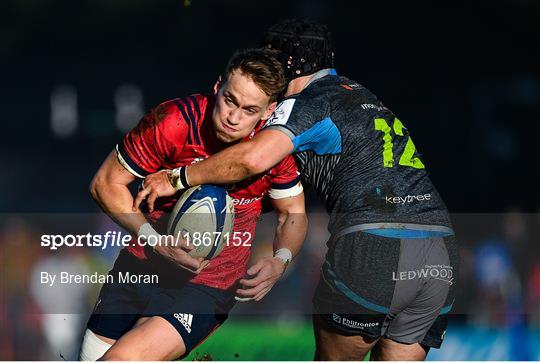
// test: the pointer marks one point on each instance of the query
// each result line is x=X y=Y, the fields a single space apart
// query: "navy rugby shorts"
x=194 y=310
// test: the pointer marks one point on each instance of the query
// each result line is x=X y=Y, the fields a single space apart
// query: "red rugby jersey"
x=179 y=132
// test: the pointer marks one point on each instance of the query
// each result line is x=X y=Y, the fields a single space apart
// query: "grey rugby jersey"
x=358 y=156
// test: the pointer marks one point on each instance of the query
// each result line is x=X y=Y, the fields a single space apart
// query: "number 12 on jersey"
x=407 y=157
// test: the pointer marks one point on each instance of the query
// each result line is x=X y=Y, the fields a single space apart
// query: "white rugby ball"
x=204 y=216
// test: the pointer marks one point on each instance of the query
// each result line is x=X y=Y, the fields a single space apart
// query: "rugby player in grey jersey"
x=388 y=278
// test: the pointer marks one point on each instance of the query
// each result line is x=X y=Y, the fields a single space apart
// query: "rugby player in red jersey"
x=166 y=320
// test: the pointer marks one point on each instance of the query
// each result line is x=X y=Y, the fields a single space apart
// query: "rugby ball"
x=204 y=216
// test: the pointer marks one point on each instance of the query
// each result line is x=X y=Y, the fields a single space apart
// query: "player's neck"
x=297 y=85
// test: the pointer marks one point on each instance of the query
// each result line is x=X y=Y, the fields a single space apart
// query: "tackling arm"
x=243 y=160
x=230 y=165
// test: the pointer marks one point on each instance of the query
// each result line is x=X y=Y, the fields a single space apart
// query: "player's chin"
x=227 y=137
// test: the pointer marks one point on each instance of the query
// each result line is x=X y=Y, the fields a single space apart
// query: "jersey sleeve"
x=286 y=180
x=149 y=145
x=307 y=122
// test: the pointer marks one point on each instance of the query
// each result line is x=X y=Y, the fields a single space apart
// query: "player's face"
x=240 y=105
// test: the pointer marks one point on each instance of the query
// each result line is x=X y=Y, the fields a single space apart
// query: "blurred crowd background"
x=463 y=76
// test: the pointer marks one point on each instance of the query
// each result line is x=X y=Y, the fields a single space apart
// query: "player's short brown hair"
x=262 y=66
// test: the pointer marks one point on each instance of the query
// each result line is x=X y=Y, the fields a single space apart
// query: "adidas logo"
x=185 y=320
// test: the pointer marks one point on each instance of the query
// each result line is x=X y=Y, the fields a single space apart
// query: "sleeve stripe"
x=286 y=193
x=196 y=104
x=181 y=107
x=127 y=163
x=193 y=121
x=285 y=185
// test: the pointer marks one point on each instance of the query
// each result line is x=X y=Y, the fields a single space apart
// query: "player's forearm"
x=291 y=232
x=231 y=165
x=116 y=201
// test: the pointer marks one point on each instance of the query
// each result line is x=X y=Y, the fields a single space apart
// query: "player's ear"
x=269 y=110
x=217 y=85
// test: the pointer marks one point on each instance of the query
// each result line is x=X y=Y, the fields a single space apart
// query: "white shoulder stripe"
x=122 y=161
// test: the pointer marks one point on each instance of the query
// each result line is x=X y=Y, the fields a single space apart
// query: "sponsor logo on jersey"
x=352 y=323
x=351 y=86
x=438 y=272
x=368 y=106
x=185 y=319
x=389 y=199
x=244 y=201
x=282 y=113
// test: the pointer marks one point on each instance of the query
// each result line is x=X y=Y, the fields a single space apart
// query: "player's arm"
x=243 y=160
x=292 y=224
x=290 y=234
x=109 y=188
x=228 y=166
